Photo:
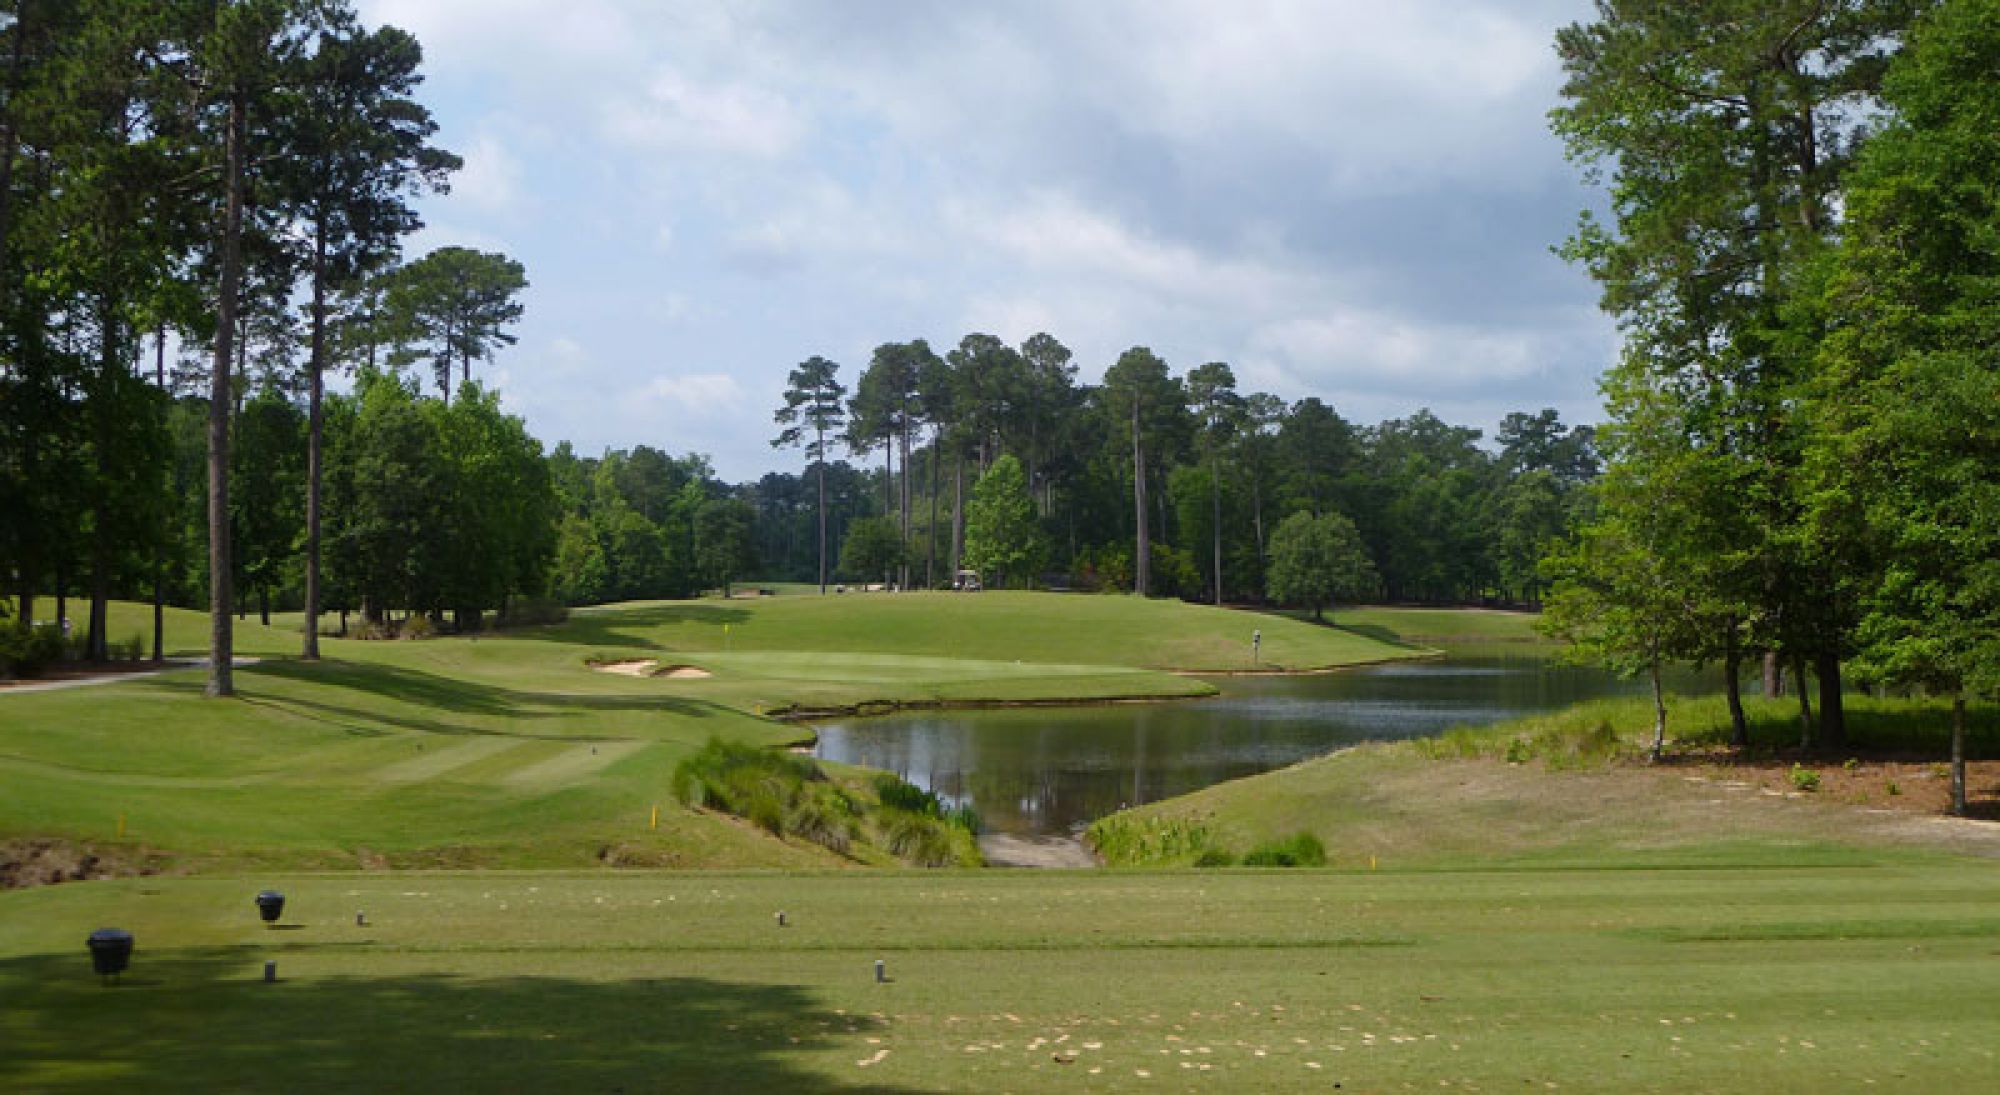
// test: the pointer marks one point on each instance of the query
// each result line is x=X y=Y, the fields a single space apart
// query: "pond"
x=1047 y=771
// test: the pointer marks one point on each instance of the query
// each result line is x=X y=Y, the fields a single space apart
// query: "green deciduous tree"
x=871 y=549
x=1002 y=537
x=1315 y=560
x=1907 y=458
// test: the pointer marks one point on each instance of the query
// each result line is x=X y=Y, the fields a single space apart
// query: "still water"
x=1043 y=771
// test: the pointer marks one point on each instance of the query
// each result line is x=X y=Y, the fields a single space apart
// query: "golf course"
x=489 y=879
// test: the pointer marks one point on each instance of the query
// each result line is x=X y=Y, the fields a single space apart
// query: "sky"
x=1343 y=199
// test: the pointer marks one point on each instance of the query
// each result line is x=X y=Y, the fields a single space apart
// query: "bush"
x=1126 y=842
x=27 y=651
x=1804 y=779
x=896 y=793
x=1215 y=857
x=1298 y=850
x=417 y=627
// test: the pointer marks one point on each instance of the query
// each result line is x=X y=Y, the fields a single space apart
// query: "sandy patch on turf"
x=651 y=667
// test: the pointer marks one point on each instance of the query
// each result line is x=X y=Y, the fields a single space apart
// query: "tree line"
x=225 y=184
x=1802 y=246
x=202 y=207
x=1161 y=484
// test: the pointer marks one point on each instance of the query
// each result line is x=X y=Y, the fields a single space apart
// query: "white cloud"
x=683 y=114
x=1342 y=197
x=698 y=393
x=490 y=181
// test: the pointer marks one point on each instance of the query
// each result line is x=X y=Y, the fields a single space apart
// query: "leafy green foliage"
x=1298 y=850
x=1317 y=559
x=1002 y=538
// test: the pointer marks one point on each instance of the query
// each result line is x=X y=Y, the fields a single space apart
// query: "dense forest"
x=1802 y=245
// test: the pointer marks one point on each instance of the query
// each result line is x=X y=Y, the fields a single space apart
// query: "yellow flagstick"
x=656 y=818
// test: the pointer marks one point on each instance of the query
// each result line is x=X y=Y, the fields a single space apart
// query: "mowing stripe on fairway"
x=572 y=765
x=434 y=762
x=45 y=769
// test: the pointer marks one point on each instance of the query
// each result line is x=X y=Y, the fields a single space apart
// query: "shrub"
x=1126 y=842
x=1804 y=779
x=1215 y=857
x=896 y=793
x=1519 y=751
x=27 y=651
x=417 y=627
x=916 y=839
x=1298 y=850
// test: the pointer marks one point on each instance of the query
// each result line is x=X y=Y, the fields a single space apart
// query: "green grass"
x=1569 y=787
x=1453 y=626
x=509 y=750
x=1759 y=974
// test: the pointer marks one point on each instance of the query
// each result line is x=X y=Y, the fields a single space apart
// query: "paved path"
x=172 y=665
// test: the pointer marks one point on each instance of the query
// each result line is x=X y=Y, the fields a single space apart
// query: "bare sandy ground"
x=1003 y=850
x=650 y=667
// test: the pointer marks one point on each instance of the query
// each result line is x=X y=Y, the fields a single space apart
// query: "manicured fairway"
x=1752 y=977
x=510 y=750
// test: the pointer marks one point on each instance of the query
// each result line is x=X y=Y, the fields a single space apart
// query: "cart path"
x=172 y=665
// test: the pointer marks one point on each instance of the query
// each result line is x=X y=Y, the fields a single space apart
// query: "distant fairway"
x=507 y=750
x=1752 y=975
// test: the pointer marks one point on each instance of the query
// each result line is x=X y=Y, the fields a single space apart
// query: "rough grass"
x=1760 y=972
x=1568 y=786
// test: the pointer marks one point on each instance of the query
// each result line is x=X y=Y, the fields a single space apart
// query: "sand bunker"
x=650 y=667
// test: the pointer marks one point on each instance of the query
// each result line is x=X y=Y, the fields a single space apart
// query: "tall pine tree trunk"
x=1142 y=569
x=315 y=433
x=822 y=520
x=957 y=514
x=1958 y=753
x=930 y=554
x=110 y=373
x=1732 y=679
x=1215 y=517
x=903 y=439
x=1832 y=712
x=1659 y=711
x=1805 y=702
x=160 y=543
x=221 y=634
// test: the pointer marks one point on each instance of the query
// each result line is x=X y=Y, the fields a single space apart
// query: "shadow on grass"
x=623 y=628
x=410 y=692
x=1902 y=730
x=202 y=1020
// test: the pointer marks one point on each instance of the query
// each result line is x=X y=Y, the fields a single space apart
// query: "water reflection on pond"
x=1052 y=770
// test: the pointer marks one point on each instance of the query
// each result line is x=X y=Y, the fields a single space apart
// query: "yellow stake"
x=1371 y=862
x=121 y=824
x=656 y=818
